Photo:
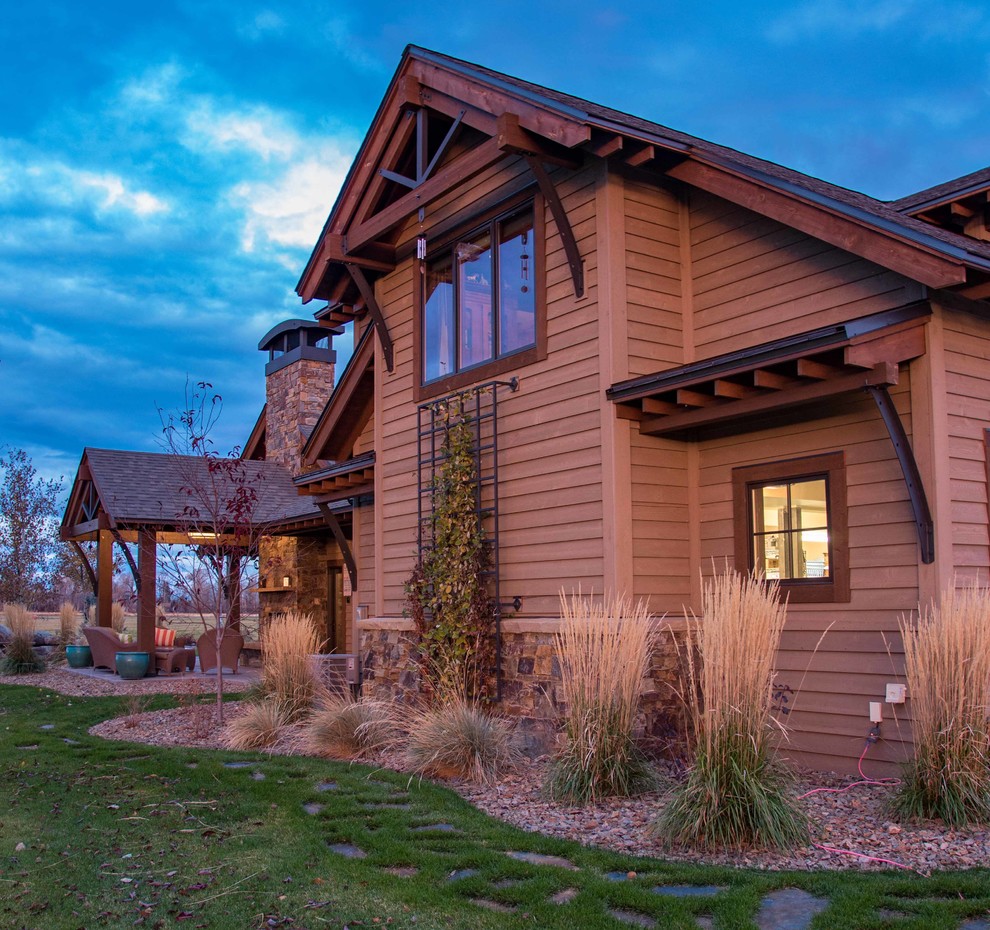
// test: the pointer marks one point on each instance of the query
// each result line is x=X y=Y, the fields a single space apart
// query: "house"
x=674 y=357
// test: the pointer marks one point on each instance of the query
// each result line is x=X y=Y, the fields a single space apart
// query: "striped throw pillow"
x=164 y=638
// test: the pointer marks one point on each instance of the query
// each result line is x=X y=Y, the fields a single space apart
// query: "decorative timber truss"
x=740 y=391
x=430 y=138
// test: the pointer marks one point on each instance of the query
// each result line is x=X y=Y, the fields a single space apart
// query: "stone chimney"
x=298 y=383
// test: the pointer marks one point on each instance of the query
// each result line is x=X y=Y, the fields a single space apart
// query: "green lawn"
x=118 y=835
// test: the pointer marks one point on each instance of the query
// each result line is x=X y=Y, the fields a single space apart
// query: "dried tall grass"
x=288 y=674
x=343 y=728
x=456 y=738
x=947 y=664
x=604 y=652
x=19 y=657
x=68 y=624
x=735 y=792
x=258 y=727
x=20 y=620
x=118 y=619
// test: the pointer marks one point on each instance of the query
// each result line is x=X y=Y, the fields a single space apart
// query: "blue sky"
x=165 y=169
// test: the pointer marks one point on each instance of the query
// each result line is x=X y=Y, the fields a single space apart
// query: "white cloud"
x=289 y=210
x=116 y=194
x=256 y=130
x=27 y=174
x=155 y=87
x=262 y=24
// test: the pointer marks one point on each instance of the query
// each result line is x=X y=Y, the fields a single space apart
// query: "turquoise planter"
x=79 y=656
x=132 y=665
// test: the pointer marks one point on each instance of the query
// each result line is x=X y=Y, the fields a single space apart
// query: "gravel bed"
x=853 y=821
x=76 y=685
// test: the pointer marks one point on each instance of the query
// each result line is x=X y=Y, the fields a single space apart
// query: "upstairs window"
x=480 y=297
x=791 y=525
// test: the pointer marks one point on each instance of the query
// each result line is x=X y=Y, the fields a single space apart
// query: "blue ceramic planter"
x=79 y=656
x=132 y=665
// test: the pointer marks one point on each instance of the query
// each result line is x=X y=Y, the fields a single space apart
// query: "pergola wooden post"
x=233 y=592
x=104 y=577
x=147 y=571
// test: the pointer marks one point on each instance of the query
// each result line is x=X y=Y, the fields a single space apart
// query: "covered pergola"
x=148 y=498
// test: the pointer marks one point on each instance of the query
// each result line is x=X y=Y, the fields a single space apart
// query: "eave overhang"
x=352 y=478
x=739 y=387
x=254 y=448
x=349 y=408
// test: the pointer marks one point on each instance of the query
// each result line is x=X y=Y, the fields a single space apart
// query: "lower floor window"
x=791 y=526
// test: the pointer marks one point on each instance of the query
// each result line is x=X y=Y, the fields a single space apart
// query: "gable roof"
x=149 y=489
x=883 y=214
x=974 y=183
x=348 y=408
x=856 y=222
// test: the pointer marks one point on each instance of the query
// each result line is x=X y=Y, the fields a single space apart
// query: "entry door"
x=336 y=612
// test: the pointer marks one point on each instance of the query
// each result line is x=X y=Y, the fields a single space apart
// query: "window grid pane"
x=439 y=339
x=790 y=532
x=479 y=303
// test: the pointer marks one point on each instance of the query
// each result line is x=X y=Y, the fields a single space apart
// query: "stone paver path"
x=447 y=854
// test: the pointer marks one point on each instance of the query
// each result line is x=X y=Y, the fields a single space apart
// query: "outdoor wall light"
x=286 y=581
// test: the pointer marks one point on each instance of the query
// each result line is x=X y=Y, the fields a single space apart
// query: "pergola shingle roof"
x=121 y=490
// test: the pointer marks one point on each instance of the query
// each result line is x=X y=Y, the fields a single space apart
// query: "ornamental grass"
x=19 y=657
x=604 y=652
x=735 y=794
x=947 y=664
x=68 y=628
x=457 y=739
x=288 y=674
x=118 y=617
x=343 y=728
x=258 y=727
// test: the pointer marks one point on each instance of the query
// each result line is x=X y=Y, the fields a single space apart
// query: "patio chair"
x=105 y=644
x=230 y=651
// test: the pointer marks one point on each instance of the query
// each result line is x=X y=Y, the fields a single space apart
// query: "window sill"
x=484 y=372
x=817 y=593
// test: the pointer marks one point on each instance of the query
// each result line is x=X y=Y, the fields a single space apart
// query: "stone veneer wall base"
x=531 y=678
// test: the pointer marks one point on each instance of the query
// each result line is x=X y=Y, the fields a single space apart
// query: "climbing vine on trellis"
x=447 y=594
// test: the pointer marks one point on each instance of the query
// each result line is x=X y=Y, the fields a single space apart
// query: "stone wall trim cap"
x=387 y=623
x=676 y=624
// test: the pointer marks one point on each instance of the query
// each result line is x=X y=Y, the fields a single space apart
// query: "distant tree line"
x=40 y=570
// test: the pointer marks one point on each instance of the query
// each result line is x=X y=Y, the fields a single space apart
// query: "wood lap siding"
x=967 y=375
x=653 y=278
x=755 y=279
x=862 y=650
x=661 y=569
x=549 y=432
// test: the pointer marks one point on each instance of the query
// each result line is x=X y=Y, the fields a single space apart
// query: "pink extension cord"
x=856 y=784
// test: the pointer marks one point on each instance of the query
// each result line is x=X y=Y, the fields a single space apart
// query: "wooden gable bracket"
x=368 y=294
x=86 y=563
x=345 y=547
x=511 y=138
x=552 y=198
x=423 y=169
x=909 y=468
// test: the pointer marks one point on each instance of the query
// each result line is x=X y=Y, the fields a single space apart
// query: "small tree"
x=222 y=497
x=29 y=543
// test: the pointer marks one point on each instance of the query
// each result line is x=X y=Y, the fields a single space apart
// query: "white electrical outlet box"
x=876 y=712
x=896 y=693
